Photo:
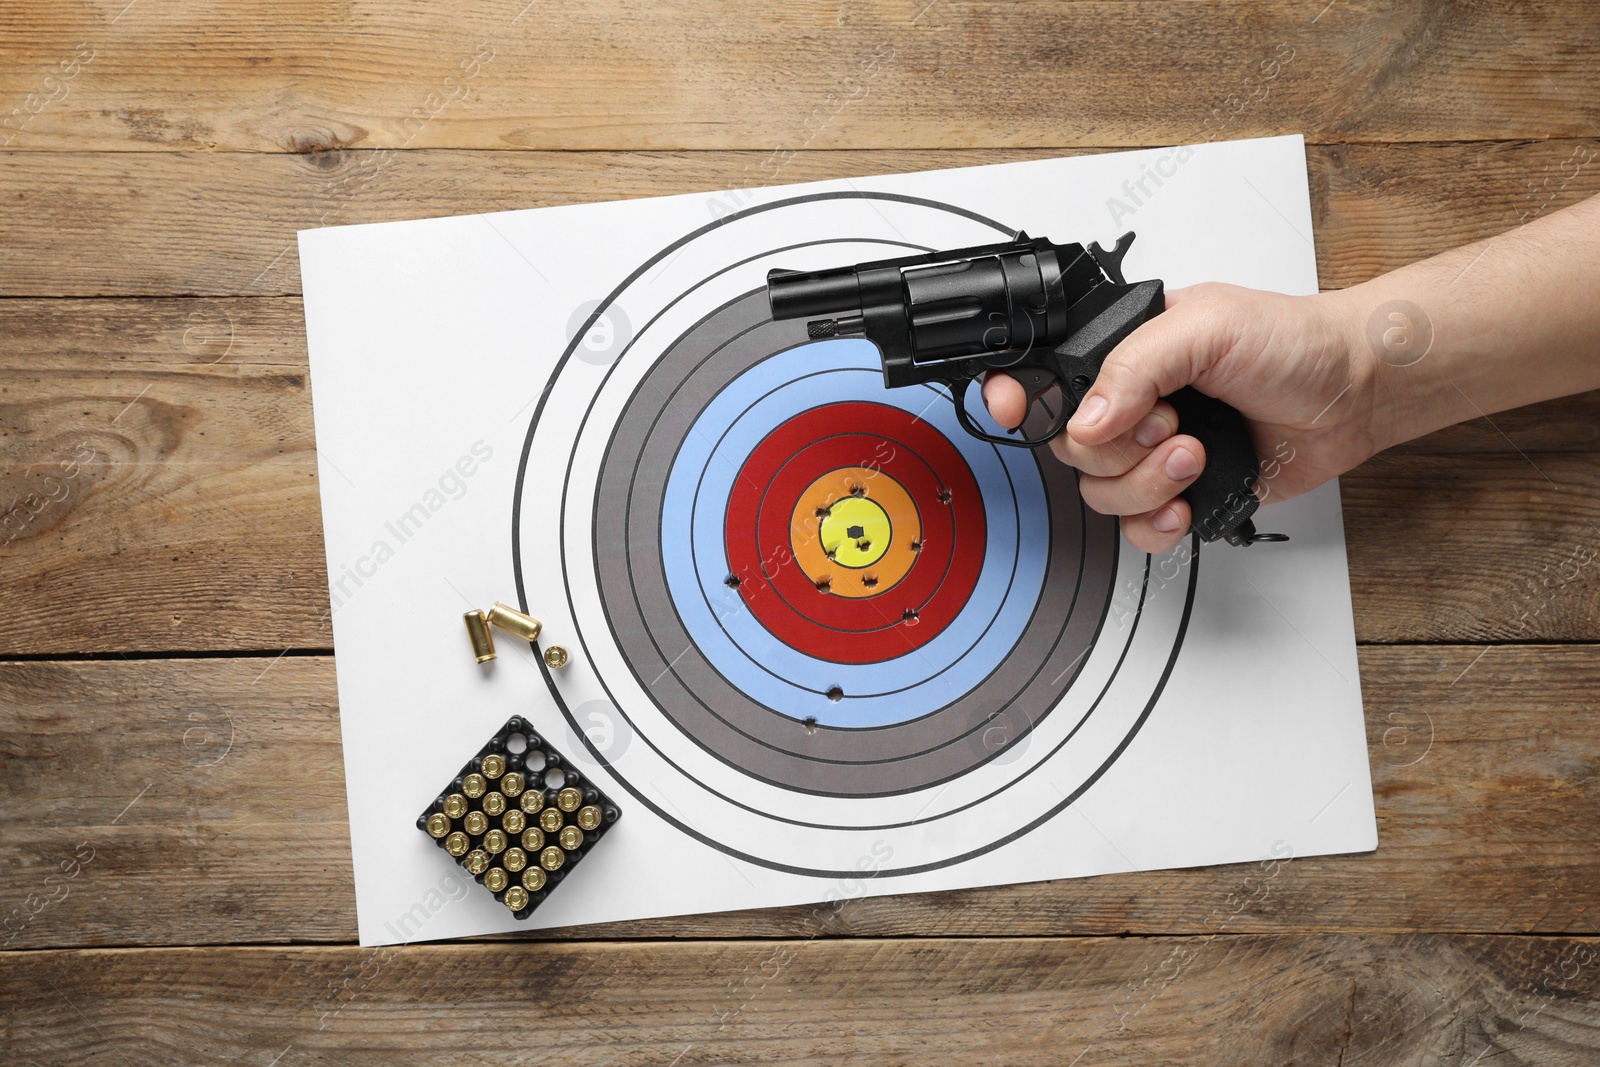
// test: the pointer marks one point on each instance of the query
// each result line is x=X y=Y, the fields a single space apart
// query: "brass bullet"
x=552 y=858
x=496 y=879
x=516 y=898
x=513 y=621
x=455 y=805
x=457 y=844
x=494 y=765
x=512 y=784
x=533 y=879
x=474 y=785
x=476 y=822
x=569 y=799
x=477 y=861
x=478 y=633
x=514 y=821
x=531 y=801
x=533 y=839
x=549 y=820
x=555 y=657
x=495 y=842
x=515 y=859
x=493 y=804
x=438 y=824
x=589 y=817
x=571 y=838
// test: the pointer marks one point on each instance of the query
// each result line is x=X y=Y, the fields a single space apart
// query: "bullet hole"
x=824 y=585
x=835 y=694
x=731 y=581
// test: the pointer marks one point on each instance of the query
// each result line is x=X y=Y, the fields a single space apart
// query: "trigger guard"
x=1016 y=439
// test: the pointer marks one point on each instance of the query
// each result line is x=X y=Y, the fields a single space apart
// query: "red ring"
x=760 y=507
x=861 y=614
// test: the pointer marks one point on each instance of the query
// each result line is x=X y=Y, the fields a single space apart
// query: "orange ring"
x=805 y=532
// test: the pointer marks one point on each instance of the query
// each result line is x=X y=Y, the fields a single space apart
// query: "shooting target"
x=828 y=617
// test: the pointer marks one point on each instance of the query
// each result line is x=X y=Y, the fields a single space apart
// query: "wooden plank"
x=1296 y=999
x=223 y=224
x=173 y=506
x=159 y=493
x=292 y=76
x=201 y=801
x=1485 y=548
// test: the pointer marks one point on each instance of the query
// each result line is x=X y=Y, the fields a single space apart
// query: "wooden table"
x=176 y=878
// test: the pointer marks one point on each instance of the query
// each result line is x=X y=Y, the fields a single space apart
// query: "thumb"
x=1160 y=357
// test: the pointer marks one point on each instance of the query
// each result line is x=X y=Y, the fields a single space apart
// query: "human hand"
x=1291 y=365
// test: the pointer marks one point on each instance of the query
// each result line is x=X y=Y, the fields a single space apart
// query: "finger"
x=1158 y=531
x=1158 y=358
x=1005 y=398
x=1163 y=474
x=1120 y=456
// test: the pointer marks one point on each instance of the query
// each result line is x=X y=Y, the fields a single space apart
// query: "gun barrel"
x=813 y=294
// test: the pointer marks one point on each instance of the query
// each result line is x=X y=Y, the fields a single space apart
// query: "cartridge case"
x=513 y=621
x=478 y=633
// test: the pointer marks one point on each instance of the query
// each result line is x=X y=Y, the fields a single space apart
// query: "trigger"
x=1035 y=381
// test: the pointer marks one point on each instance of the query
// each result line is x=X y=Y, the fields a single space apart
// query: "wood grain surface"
x=1294 y=999
x=174 y=851
x=275 y=76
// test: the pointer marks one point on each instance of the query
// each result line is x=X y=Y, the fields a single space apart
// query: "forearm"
x=1514 y=320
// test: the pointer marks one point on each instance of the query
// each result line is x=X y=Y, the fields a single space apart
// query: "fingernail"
x=1166 y=520
x=1091 y=411
x=1151 y=431
x=1182 y=465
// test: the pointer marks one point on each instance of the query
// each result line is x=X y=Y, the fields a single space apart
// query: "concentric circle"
x=855 y=532
x=778 y=719
x=783 y=596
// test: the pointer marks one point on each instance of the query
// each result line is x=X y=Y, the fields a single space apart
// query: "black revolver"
x=1047 y=315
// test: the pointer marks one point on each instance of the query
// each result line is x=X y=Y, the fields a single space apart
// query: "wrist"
x=1390 y=343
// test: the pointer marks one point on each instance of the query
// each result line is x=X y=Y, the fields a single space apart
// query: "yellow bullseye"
x=856 y=532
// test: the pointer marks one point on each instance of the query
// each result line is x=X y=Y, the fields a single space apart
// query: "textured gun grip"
x=1221 y=498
